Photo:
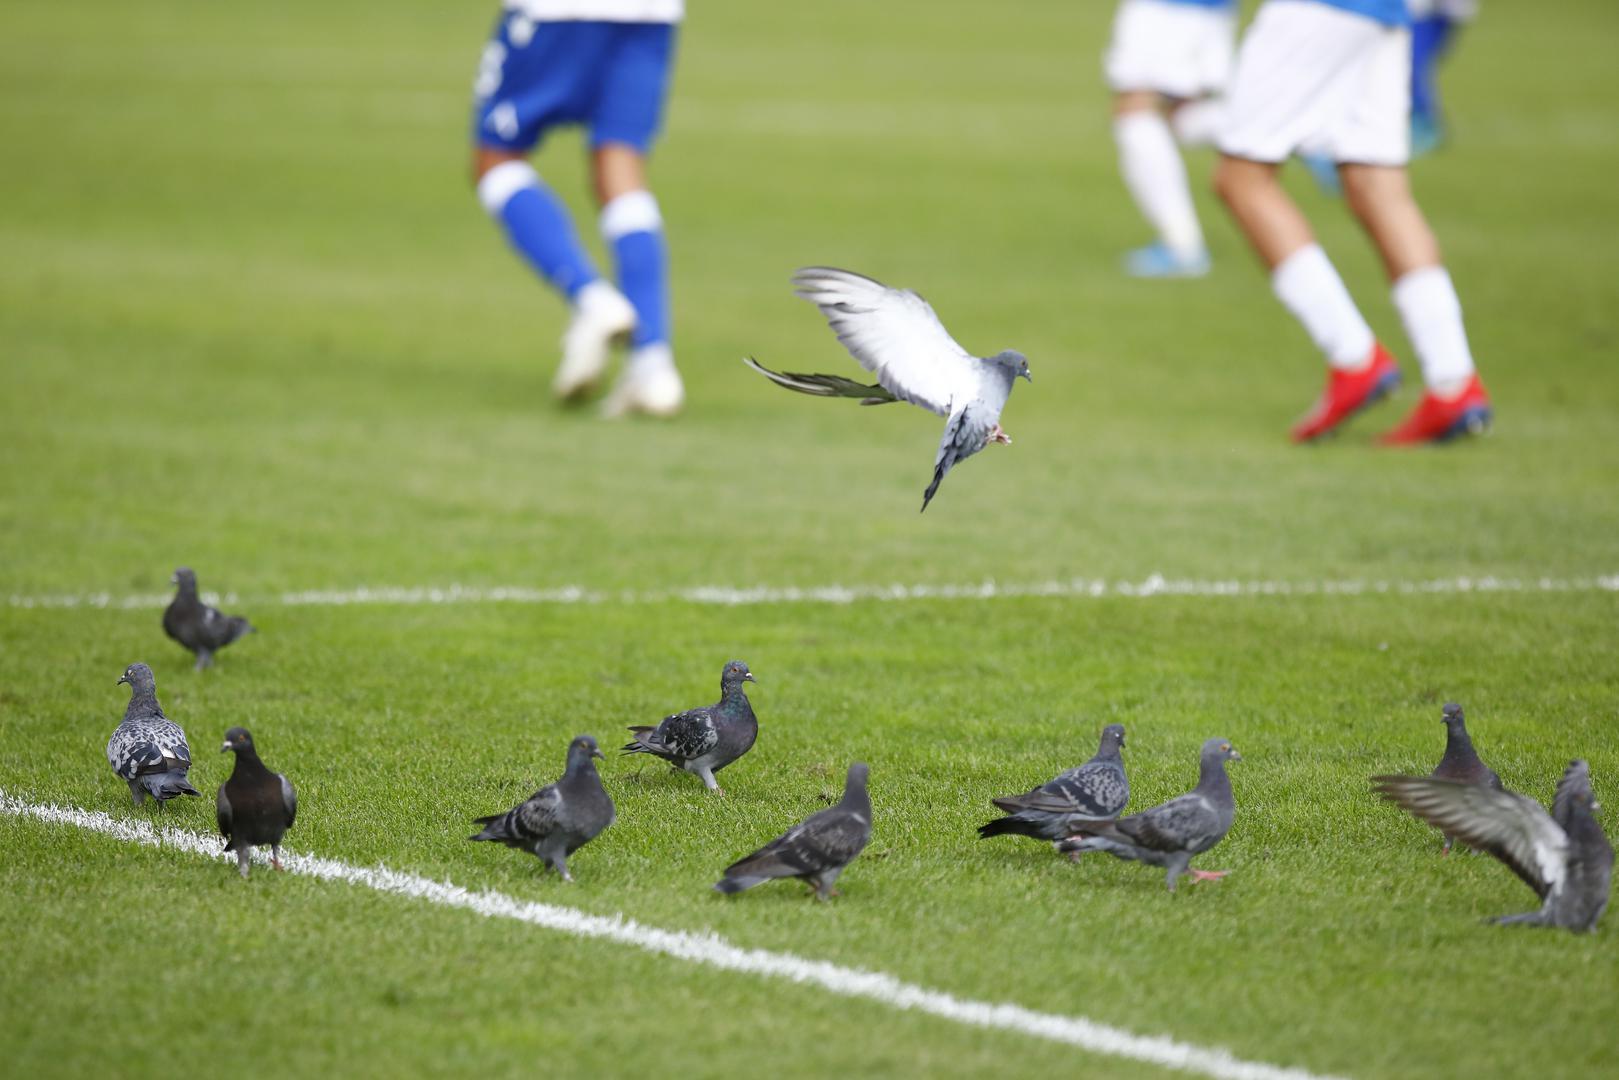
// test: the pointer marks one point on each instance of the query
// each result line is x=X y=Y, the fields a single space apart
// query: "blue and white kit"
x=1324 y=77
x=1179 y=48
x=603 y=64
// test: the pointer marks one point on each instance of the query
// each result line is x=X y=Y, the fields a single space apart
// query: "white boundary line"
x=1064 y=588
x=708 y=949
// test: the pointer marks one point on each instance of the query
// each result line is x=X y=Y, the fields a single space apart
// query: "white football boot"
x=650 y=384
x=601 y=315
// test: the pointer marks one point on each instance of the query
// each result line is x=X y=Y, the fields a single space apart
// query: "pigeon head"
x=857 y=776
x=582 y=749
x=186 y=578
x=139 y=677
x=1015 y=362
x=735 y=674
x=1220 y=750
x=1113 y=737
x=1452 y=718
x=237 y=739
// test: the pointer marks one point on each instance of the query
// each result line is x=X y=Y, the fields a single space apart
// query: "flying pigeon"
x=1461 y=762
x=148 y=749
x=895 y=335
x=1096 y=790
x=560 y=818
x=1563 y=856
x=1171 y=833
x=194 y=624
x=705 y=740
x=816 y=849
x=255 y=806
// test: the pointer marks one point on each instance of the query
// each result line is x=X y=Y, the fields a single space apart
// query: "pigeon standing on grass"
x=1564 y=856
x=560 y=818
x=148 y=749
x=1170 y=834
x=895 y=335
x=705 y=740
x=255 y=806
x=1461 y=762
x=201 y=628
x=816 y=849
x=1096 y=790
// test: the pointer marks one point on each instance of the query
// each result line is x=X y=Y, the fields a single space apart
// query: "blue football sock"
x=632 y=225
x=538 y=225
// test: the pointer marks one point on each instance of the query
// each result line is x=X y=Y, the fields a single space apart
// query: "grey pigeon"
x=705 y=740
x=1171 y=833
x=895 y=335
x=1461 y=762
x=560 y=818
x=148 y=749
x=199 y=627
x=1564 y=856
x=816 y=849
x=1096 y=790
x=255 y=806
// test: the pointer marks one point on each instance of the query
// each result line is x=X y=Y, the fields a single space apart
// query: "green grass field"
x=253 y=320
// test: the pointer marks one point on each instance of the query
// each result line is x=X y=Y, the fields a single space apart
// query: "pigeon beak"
x=1027 y=377
x=749 y=677
x=224 y=748
x=122 y=679
x=598 y=754
x=1235 y=756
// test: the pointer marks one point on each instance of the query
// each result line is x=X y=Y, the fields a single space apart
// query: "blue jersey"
x=1387 y=12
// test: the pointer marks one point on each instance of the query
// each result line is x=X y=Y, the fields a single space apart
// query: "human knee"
x=1126 y=102
x=1370 y=190
x=1234 y=180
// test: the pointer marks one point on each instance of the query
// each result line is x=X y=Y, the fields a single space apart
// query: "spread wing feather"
x=1509 y=826
x=895 y=335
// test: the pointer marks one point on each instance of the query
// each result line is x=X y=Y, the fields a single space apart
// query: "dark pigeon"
x=705 y=740
x=202 y=629
x=1564 y=856
x=148 y=749
x=560 y=818
x=1170 y=834
x=255 y=806
x=816 y=849
x=1097 y=790
x=1461 y=762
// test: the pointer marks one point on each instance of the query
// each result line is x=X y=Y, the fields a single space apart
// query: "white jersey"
x=633 y=11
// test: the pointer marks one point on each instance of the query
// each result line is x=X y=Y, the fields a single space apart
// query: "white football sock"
x=1156 y=177
x=1432 y=314
x=1308 y=285
x=1197 y=123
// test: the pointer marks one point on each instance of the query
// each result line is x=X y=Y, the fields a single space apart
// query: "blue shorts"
x=534 y=76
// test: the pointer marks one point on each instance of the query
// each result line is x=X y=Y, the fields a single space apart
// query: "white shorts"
x=1179 y=50
x=1315 y=79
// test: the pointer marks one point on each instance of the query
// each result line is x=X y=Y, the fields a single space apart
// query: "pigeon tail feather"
x=738 y=884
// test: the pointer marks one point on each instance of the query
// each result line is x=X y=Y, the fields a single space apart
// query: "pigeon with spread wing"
x=895 y=335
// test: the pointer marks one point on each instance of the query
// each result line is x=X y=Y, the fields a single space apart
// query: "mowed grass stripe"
x=704 y=948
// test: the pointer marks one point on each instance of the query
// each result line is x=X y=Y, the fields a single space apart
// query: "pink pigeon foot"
x=1207 y=875
x=996 y=435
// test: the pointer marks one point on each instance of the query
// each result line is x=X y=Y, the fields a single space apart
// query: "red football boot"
x=1347 y=393
x=1437 y=419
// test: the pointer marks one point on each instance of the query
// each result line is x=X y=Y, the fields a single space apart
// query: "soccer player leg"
x=1276 y=106
x=622 y=132
x=1152 y=59
x=519 y=91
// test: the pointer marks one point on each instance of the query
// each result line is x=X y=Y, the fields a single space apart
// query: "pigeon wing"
x=289 y=800
x=965 y=435
x=821 y=841
x=1509 y=826
x=539 y=815
x=1181 y=824
x=895 y=335
x=823 y=385
x=688 y=734
x=1092 y=790
x=222 y=812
